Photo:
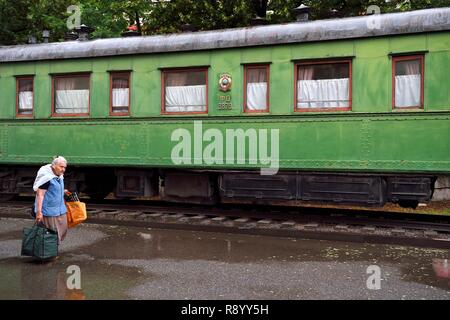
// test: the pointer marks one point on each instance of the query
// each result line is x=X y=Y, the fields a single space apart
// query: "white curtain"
x=26 y=101
x=257 y=96
x=185 y=98
x=72 y=101
x=120 y=97
x=305 y=73
x=407 y=90
x=328 y=93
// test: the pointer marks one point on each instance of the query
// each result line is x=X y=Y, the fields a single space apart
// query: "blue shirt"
x=53 y=204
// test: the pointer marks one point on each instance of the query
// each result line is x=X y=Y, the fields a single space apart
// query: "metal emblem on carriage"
x=225 y=82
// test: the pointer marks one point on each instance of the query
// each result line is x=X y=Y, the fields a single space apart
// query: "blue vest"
x=53 y=205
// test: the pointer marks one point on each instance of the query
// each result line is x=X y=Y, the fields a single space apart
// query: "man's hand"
x=67 y=192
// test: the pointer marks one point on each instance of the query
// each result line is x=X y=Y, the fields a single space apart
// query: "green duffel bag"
x=39 y=242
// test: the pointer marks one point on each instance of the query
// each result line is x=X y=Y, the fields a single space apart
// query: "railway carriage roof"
x=419 y=21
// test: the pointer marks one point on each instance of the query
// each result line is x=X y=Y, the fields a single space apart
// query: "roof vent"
x=187 y=27
x=302 y=13
x=84 y=32
x=70 y=36
x=132 y=32
x=32 y=39
x=258 y=21
x=45 y=35
x=335 y=14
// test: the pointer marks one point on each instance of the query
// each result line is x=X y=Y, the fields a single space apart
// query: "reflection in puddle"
x=74 y=294
x=131 y=262
x=441 y=268
x=24 y=278
x=48 y=282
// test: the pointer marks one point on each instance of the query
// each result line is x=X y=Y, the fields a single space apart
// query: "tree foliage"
x=21 y=18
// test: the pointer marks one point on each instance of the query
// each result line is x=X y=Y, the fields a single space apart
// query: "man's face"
x=59 y=168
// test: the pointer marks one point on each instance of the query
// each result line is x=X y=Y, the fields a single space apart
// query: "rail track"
x=309 y=223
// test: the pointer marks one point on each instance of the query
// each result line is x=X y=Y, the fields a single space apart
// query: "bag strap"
x=34 y=240
x=40 y=224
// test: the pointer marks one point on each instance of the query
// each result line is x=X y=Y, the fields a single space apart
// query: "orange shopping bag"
x=76 y=213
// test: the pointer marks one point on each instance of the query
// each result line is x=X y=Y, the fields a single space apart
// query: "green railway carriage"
x=345 y=110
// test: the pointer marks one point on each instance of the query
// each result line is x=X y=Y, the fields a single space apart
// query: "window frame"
x=111 y=76
x=349 y=61
x=18 y=78
x=403 y=57
x=70 y=75
x=164 y=71
x=257 y=66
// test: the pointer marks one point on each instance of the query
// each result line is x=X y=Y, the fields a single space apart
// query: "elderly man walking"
x=49 y=205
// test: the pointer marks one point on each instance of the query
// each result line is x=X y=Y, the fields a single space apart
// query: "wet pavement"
x=118 y=262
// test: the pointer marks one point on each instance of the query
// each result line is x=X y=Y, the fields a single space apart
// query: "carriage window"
x=185 y=91
x=256 y=89
x=323 y=86
x=24 y=99
x=120 y=93
x=408 y=82
x=71 y=95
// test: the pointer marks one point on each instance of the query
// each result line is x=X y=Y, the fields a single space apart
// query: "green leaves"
x=22 y=18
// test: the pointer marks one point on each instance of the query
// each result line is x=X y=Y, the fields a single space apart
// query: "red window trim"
x=257 y=66
x=111 y=76
x=163 y=89
x=395 y=59
x=324 y=61
x=70 y=75
x=18 y=78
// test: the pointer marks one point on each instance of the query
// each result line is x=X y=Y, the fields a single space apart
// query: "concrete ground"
x=139 y=263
